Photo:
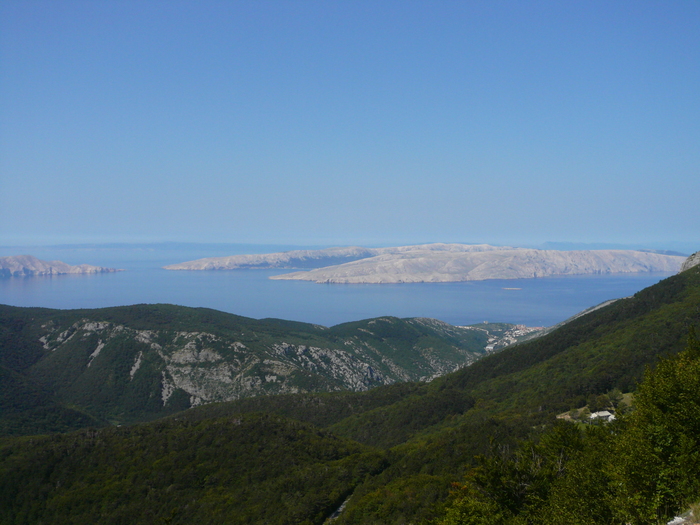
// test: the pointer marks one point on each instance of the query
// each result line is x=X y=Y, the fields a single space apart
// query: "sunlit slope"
x=608 y=348
x=316 y=258
x=29 y=266
x=439 y=263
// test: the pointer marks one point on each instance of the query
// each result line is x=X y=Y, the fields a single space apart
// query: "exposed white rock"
x=210 y=367
x=691 y=261
x=136 y=366
x=190 y=354
x=100 y=346
x=95 y=327
x=167 y=388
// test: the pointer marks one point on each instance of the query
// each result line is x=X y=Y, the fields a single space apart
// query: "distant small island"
x=30 y=266
x=440 y=263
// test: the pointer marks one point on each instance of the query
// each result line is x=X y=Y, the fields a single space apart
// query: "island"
x=298 y=259
x=30 y=266
x=440 y=263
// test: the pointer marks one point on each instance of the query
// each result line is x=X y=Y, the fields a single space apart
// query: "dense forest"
x=641 y=469
x=480 y=445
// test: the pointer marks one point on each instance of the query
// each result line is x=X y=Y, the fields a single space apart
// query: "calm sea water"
x=533 y=302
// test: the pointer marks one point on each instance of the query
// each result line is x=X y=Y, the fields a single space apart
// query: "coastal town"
x=501 y=335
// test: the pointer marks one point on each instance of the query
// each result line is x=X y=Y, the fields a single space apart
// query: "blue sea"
x=250 y=293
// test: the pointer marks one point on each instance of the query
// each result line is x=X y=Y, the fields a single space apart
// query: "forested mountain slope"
x=128 y=364
x=250 y=469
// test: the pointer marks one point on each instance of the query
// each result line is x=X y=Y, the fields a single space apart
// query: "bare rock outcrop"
x=691 y=261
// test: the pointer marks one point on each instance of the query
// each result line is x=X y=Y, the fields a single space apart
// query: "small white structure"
x=604 y=415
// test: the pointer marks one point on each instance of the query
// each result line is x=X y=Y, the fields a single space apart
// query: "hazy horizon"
x=326 y=123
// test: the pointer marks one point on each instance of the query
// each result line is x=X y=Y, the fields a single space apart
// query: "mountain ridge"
x=128 y=364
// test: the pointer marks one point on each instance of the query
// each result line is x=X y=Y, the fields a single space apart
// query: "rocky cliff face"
x=691 y=261
x=207 y=367
x=28 y=265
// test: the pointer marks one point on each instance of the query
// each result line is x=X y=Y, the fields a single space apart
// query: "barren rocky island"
x=440 y=263
x=29 y=266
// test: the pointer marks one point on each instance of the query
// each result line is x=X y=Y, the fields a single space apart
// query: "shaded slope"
x=249 y=469
x=25 y=406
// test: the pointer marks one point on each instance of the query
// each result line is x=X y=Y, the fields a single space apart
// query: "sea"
x=538 y=302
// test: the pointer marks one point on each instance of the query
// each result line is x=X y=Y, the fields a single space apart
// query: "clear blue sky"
x=327 y=122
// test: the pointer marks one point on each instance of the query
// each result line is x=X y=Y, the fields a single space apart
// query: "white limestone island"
x=29 y=266
x=440 y=263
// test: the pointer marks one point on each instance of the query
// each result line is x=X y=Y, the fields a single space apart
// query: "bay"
x=533 y=302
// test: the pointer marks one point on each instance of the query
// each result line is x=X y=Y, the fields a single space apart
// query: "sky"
x=349 y=122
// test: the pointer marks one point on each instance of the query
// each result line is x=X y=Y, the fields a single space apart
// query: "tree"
x=657 y=457
x=510 y=488
x=615 y=396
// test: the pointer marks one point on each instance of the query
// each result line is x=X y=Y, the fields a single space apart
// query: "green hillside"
x=489 y=427
x=249 y=469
